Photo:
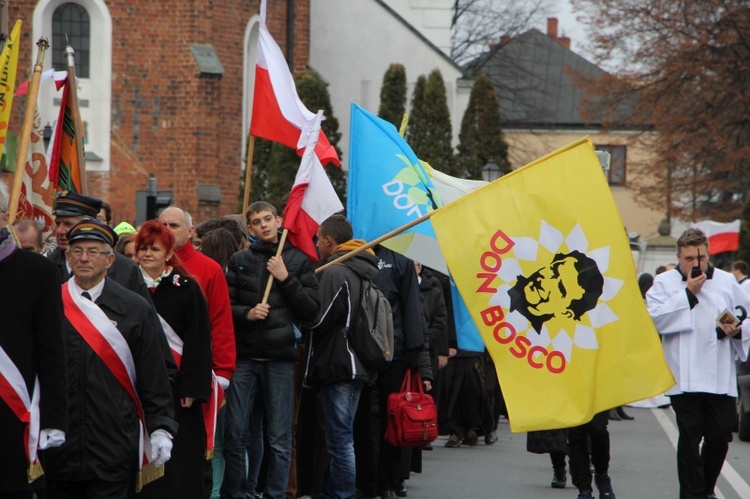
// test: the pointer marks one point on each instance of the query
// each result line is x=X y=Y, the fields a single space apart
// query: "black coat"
x=293 y=301
x=183 y=306
x=31 y=335
x=435 y=313
x=180 y=302
x=397 y=280
x=330 y=357
x=102 y=441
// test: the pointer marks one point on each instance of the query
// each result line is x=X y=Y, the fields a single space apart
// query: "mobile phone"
x=696 y=271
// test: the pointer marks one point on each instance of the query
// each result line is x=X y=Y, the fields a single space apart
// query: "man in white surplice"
x=685 y=305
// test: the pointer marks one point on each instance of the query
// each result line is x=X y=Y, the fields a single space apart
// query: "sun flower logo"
x=554 y=290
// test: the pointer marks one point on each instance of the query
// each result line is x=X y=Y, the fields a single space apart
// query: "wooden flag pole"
x=28 y=123
x=377 y=241
x=248 y=173
x=73 y=96
x=282 y=240
x=312 y=141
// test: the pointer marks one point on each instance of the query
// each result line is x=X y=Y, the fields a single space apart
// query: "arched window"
x=71 y=20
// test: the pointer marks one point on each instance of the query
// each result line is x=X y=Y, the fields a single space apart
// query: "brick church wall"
x=166 y=118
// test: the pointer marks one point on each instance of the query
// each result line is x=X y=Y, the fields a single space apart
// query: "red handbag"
x=412 y=415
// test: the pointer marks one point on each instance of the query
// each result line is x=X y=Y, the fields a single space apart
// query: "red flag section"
x=268 y=122
x=721 y=236
x=278 y=113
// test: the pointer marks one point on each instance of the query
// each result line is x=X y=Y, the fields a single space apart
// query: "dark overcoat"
x=102 y=441
x=31 y=334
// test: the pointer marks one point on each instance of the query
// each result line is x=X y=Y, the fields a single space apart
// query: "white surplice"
x=698 y=360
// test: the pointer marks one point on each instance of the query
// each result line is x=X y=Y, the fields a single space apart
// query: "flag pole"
x=73 y=95
x=404 y=122
x=377 y=241
x=28 y=123
x=282 y=240
x=248 y=172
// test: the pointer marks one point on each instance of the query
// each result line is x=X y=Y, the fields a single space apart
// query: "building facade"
x=165 y=88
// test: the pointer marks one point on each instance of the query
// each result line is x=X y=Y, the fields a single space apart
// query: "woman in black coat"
x=184 y=316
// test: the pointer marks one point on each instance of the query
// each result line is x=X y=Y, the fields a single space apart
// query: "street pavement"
x=642 y=465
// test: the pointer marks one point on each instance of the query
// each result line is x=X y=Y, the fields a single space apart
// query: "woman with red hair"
x=183 y=314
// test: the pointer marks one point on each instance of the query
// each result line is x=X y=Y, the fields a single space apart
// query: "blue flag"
x=388 y=188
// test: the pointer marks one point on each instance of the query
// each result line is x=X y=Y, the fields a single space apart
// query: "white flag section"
x=451 y=188
x=312 y=200
x=271 y=59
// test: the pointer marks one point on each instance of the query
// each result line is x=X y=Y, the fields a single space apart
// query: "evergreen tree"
x=417 y=128
x=481 y=138
x=393 y=95
x=275 y=165
x=430 y=125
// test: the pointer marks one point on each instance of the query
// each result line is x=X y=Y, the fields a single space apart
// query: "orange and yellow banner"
x=8 y=67
x=543 y=262
x=66 y=168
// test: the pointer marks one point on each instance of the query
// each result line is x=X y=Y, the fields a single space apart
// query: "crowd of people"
x=201 y=361
x=214 y=360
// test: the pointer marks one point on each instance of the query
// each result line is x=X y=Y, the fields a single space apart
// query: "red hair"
x=154 y=231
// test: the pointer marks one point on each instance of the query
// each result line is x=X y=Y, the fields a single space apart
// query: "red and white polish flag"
x=312 y=200
x=721 y=236
x=278 y=113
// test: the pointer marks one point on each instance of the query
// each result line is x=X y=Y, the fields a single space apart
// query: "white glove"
x=161 y=447
x=223 y=382
x=50 y=437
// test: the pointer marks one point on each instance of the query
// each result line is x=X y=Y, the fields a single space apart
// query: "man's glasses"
x=92 y=252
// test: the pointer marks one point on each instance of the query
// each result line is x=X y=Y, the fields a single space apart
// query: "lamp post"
x=491 y=171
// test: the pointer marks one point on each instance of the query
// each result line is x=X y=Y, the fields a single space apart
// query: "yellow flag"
x=543 y=262
x=8 y=66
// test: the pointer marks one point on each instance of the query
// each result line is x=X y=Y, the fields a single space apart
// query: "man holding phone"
x=685 y=303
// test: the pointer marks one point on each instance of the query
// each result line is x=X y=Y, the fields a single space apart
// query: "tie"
x=86 y=295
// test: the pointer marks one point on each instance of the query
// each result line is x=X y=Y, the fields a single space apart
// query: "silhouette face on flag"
x=551 y=288
x=568 y=287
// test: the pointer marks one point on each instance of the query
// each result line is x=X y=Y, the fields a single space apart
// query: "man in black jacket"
x=332 y=364
x=266 y=346
x=120 y=396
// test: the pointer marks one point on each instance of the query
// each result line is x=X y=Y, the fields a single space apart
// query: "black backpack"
x=371 y=329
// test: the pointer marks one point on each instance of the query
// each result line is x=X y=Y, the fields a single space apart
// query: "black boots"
x=559 y=478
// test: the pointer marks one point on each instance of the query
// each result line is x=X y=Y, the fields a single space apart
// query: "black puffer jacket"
x=331 y=359
x=293 y=301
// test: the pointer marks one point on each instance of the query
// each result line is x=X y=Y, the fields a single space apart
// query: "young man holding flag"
x=266 y=346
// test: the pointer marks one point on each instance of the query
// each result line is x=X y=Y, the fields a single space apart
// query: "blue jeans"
x=275 y=380
x=340 y=402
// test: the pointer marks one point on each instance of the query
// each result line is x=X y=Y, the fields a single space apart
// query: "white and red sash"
x=110 y=346
x=210 y=408
x=14 y=393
